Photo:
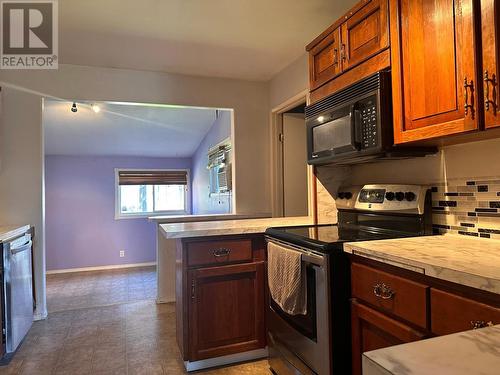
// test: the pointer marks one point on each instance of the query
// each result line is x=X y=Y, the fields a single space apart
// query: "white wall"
x=249 y=100
x=21 y=173
x=289 y=82
x=22 y=178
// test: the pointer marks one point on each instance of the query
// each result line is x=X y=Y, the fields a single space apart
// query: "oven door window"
x=305 y=324
x=335 y=135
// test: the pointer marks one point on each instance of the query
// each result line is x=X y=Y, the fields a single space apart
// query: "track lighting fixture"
x=74 y=109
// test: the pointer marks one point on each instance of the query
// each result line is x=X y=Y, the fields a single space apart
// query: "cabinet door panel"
x=373 y=330
x=365 y=33
x=451 y=313
x=490 y=34
x=433 y=58
x=324 y=60
x=226 y=311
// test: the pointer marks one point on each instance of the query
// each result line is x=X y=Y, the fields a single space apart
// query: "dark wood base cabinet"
x=392 y=306
x=220 y=296
x=373 y=330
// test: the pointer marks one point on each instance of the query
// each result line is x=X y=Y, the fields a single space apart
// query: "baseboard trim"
x=101 y=268
x=226 y=360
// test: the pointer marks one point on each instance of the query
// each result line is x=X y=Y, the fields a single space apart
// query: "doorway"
x=294 y=161
x=291 y=176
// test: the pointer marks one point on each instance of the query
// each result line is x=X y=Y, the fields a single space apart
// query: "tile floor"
x=99 y=288
x=129 y=336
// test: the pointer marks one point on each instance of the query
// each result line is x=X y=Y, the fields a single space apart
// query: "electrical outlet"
x=122 y=253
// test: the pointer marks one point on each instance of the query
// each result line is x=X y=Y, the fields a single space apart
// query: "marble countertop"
x=228 y=227
x=167 y=219
x=468 y=261
x=464 y=353
x=8 y=232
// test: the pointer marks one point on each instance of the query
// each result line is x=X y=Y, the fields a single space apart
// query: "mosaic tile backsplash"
x=468 y=207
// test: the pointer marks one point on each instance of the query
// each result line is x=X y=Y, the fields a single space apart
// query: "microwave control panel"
x=369 y=129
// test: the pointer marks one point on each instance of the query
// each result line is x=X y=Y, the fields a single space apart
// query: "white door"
x=294 y=165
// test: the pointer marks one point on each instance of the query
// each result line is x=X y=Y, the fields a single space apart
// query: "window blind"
x=152 y=177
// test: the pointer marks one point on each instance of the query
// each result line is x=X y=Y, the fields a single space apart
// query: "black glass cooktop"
x=329 y=237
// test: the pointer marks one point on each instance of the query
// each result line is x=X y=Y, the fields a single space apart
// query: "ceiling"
x=124 y=129
x=244 y=39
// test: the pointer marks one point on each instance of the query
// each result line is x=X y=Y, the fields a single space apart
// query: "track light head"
x=74 y=108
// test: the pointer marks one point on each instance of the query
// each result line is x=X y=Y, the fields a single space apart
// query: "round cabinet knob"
x=341 y=195
x=410 y=196
x=348 y=195
x=389 y=196
x=400 y=196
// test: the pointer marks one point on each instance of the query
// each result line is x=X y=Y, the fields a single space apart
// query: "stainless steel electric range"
x=319 y=341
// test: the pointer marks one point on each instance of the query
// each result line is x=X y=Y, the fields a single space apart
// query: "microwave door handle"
x=355 y=127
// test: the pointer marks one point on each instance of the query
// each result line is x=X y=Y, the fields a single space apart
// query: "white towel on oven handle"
x=287 y=279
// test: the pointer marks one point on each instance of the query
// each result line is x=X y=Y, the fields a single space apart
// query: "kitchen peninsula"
x=220 y=272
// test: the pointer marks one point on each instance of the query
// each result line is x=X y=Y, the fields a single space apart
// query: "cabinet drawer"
x=401 y=297
x=451 y=313
x=219 y=252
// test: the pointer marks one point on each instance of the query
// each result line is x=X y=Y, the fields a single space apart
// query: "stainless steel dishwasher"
x=17 y=293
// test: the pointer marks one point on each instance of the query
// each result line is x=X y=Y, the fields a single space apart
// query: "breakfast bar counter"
x=229 y=227
x=169 y=233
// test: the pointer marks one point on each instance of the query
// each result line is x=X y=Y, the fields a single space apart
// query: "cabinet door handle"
x=383 y=291
x=193 y=290
x=335 y=56
x=476 y=324
x=487 y=81
x=221 y=252
x=342 y=52
x=468 y=106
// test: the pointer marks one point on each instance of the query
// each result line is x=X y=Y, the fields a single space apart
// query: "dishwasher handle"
x=20 y=249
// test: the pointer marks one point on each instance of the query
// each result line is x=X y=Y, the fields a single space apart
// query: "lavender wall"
x=81 y=230
x=202 y=203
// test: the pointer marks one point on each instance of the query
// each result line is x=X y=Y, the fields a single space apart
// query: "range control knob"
x=400 y=196
x=341 y=195
x=348 y=195
x=410 y=196
x=389 y=196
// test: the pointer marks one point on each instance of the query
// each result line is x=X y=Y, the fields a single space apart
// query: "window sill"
x=147 y=215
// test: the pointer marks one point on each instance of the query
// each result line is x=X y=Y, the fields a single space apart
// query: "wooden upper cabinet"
x=365 y=33
x=324 y=60
x=433 y=68
x=490 y=34
x=359 y=35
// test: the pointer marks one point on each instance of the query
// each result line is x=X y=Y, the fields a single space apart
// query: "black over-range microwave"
x=354 y=125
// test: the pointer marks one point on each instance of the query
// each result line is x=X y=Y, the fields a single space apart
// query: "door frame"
x=276 y=169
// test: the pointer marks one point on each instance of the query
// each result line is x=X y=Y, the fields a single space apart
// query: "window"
x=219 y=168
x=142 y=193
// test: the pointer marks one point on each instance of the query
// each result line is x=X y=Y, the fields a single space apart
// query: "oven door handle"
x=306 y=255
x=355 y=127
x=313 y=259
